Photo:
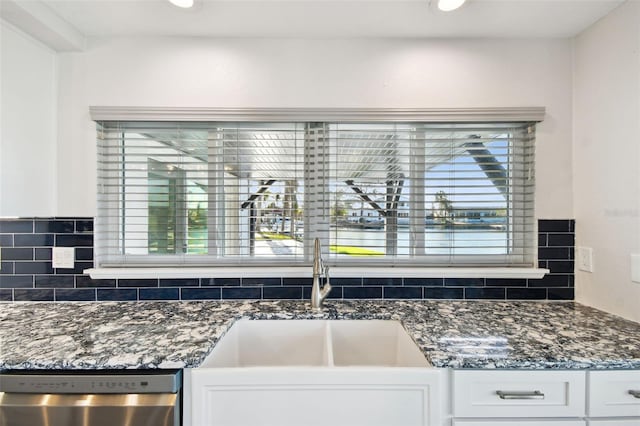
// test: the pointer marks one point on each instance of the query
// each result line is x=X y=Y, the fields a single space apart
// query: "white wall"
x=607 y=158
x=193 y=72
x=28 y=123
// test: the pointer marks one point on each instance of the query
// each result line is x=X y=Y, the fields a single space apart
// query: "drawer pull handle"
x=635 y=393
x=520 y=395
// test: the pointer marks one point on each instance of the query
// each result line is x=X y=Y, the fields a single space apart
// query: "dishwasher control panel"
x=94 y=383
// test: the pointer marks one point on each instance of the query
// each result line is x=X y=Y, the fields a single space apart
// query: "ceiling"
x=321 y=18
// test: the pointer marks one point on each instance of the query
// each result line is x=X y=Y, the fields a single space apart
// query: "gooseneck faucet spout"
x=318 y=292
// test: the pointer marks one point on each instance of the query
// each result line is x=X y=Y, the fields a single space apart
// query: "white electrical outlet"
x=585 y=259
x=635 y=268
x=63 y=257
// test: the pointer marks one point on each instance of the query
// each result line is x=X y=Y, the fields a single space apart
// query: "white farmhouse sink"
x=314 y=373
x=315 y=343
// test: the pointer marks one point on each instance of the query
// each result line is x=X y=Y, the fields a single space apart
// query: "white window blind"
x=206 y=193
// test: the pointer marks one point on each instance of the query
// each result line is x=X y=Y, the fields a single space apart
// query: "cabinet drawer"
x=609 y=393
x=627 y=422
x=486 y=393
x=519 y=423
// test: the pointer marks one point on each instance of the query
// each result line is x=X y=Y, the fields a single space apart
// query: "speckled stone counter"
x=458 y=334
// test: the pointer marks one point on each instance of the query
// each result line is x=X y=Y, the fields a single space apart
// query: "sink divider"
x=329 y=339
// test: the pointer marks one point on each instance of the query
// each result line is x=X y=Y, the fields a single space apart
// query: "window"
x=384 y=193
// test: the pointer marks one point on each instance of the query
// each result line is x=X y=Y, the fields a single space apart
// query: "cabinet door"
x=524 y=394
x=614 y=394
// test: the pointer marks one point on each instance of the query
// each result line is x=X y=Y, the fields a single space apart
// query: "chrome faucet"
x=319 y=293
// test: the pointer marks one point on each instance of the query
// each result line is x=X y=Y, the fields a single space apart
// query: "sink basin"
x=315 y=343
x=373 y=343
x=270 y=343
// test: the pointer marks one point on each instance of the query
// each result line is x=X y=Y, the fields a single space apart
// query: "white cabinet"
x=519 y=394
x=614 y=394
x=306 y=396
x=545 y=398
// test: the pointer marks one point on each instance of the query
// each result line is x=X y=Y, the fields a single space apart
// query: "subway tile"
x=362 y=292
x=54 y=281
x=506 y=282
x=84 y=225
x=291 y=292
x=558 y=266
x=427 y=282
x=33 y=268
x=299 y=281
x=55 y=226
x=200 y=293
x=561 y=225
x=346 y=281
x=78 y=269
x=159 y=293
x=16 y=226
x=395 y=292
x=381 y=281
x=16 y=253
x=16 y=281
x=443 y=293
x=552 y=253
x=241 y=293
x=33 y=295
x=149 y=282
x=84 y=253
x=6 y=240
x=276 y=281
x=6 y=295
x=75 y=294
x=42 y=253
x=74 y=240
x=85 y=281
x=484 y=293
x=542 y=240
x=33 y=240
x=526 y=293
x=116 y=294
x=560 y=293
x=220 y=282
x=561 y=240
x=7 y=268
x=179 y=282
x=558 y=280
x=464 y=282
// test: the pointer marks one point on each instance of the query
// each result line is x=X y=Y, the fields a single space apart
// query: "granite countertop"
x=458 y=334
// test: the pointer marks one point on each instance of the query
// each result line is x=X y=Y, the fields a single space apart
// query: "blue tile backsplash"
x=27 y=273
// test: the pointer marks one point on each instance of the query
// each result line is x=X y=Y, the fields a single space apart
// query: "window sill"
x=299 y=271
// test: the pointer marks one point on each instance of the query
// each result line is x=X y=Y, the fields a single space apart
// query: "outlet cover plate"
x=63 y=257
x=585 y=259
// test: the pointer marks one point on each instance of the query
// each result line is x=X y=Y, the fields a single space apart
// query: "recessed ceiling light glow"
x=184 y=3
x=449 y=5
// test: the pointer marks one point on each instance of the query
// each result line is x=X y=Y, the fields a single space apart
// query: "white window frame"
x=336 y=115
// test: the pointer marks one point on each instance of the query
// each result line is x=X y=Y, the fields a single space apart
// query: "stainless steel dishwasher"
x=91 y=398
